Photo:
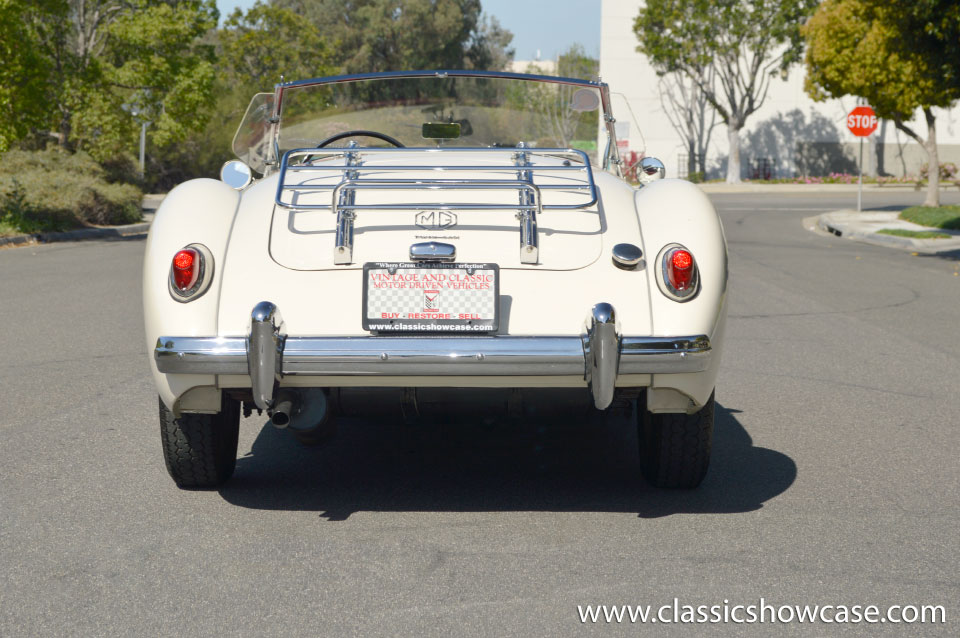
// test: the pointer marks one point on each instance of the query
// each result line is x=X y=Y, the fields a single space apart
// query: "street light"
x=143 y=145
x=136 y=111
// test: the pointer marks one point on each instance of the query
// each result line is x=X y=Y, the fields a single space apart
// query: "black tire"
x=675 y=448
x=200 y=450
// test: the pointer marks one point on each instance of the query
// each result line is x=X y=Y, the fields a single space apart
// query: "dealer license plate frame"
x=453 y=326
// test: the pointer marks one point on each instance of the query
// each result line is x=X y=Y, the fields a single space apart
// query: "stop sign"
x=862 y=121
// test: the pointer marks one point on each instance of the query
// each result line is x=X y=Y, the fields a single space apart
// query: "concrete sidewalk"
x=864 y=227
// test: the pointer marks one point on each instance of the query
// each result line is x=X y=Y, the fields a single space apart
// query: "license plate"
x=442 y=298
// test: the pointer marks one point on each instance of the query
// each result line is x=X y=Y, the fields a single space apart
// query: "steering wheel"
x=359 y=133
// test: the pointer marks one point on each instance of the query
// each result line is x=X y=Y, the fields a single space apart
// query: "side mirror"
x=236 y=174
x=650 y=170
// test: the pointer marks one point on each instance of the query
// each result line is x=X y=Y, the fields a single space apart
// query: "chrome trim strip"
x=439 y=73
x=611 y=153
x=431 y=356
x=201 y=355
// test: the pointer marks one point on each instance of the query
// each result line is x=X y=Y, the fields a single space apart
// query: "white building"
x=795 y=134
x=548 y=67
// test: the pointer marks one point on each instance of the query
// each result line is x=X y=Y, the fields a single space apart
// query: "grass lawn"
x=939 y=217
x=915 y=234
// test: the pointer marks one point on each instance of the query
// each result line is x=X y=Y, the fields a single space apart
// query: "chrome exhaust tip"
x=286 y=406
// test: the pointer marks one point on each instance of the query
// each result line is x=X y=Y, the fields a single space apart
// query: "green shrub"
x=17 y=216
x=121 y=168
x=54 y=190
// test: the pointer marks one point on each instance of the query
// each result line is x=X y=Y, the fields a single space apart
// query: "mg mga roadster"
x=430 y=243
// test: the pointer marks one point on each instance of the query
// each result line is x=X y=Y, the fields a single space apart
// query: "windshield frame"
x=611 y=155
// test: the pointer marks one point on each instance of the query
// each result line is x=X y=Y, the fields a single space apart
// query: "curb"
x=845 y=224
x=148 y=207
x=77 y=235
x=747 y=187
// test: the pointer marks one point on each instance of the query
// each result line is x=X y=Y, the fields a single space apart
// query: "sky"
x=550 y=26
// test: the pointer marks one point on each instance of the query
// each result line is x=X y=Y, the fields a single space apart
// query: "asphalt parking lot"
x=835 y=477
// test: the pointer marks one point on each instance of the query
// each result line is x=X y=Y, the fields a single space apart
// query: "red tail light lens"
x=186 y=269
x=677 y=275
x=680 y=269
x=191 y=272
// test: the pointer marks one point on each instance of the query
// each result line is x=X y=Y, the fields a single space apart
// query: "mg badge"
x=436 y=220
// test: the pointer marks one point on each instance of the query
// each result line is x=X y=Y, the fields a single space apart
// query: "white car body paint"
x=262 y=252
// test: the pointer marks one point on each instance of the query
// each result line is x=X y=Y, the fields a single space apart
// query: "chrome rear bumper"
x=599 y=355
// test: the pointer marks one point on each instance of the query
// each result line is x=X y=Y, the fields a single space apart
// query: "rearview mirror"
x=650 y=170
x=236 y=174
x=440 y=130
x=584 y=100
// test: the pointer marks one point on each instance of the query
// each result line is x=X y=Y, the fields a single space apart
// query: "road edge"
x=79 y=234
x=151 y=202
x=849 y=224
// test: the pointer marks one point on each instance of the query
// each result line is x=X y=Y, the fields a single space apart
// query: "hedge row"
x=54 y=190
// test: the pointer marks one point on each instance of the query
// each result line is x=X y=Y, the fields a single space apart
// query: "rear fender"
x=675 y=211
x=200 y=211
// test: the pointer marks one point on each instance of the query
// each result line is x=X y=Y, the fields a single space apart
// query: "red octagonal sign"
x=862 y=121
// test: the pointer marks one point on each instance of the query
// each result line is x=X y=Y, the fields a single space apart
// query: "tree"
x=691 y=116
x=555 y=102
x=489 y=46
x=742 y=43
x=252 y=57
x=23 y=73
x=899 y=56
x=397 y=35
x=114 y=61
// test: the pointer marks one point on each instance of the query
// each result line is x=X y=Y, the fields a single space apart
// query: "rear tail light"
x=680 y=269
x=678 y=276
x=190 y=272
x=186 y=269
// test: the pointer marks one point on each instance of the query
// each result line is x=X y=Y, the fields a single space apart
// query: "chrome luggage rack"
x=344 y=179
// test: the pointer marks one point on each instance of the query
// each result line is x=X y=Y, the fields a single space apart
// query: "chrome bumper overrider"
x=599 y=355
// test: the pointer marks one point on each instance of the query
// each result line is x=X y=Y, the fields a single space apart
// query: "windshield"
x=252 y=141
x=443 y=110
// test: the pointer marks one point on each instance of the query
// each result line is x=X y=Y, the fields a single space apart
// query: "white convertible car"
x=428 y=243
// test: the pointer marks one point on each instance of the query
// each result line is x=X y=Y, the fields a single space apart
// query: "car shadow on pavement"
x=466 y=466
x=949 y=255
